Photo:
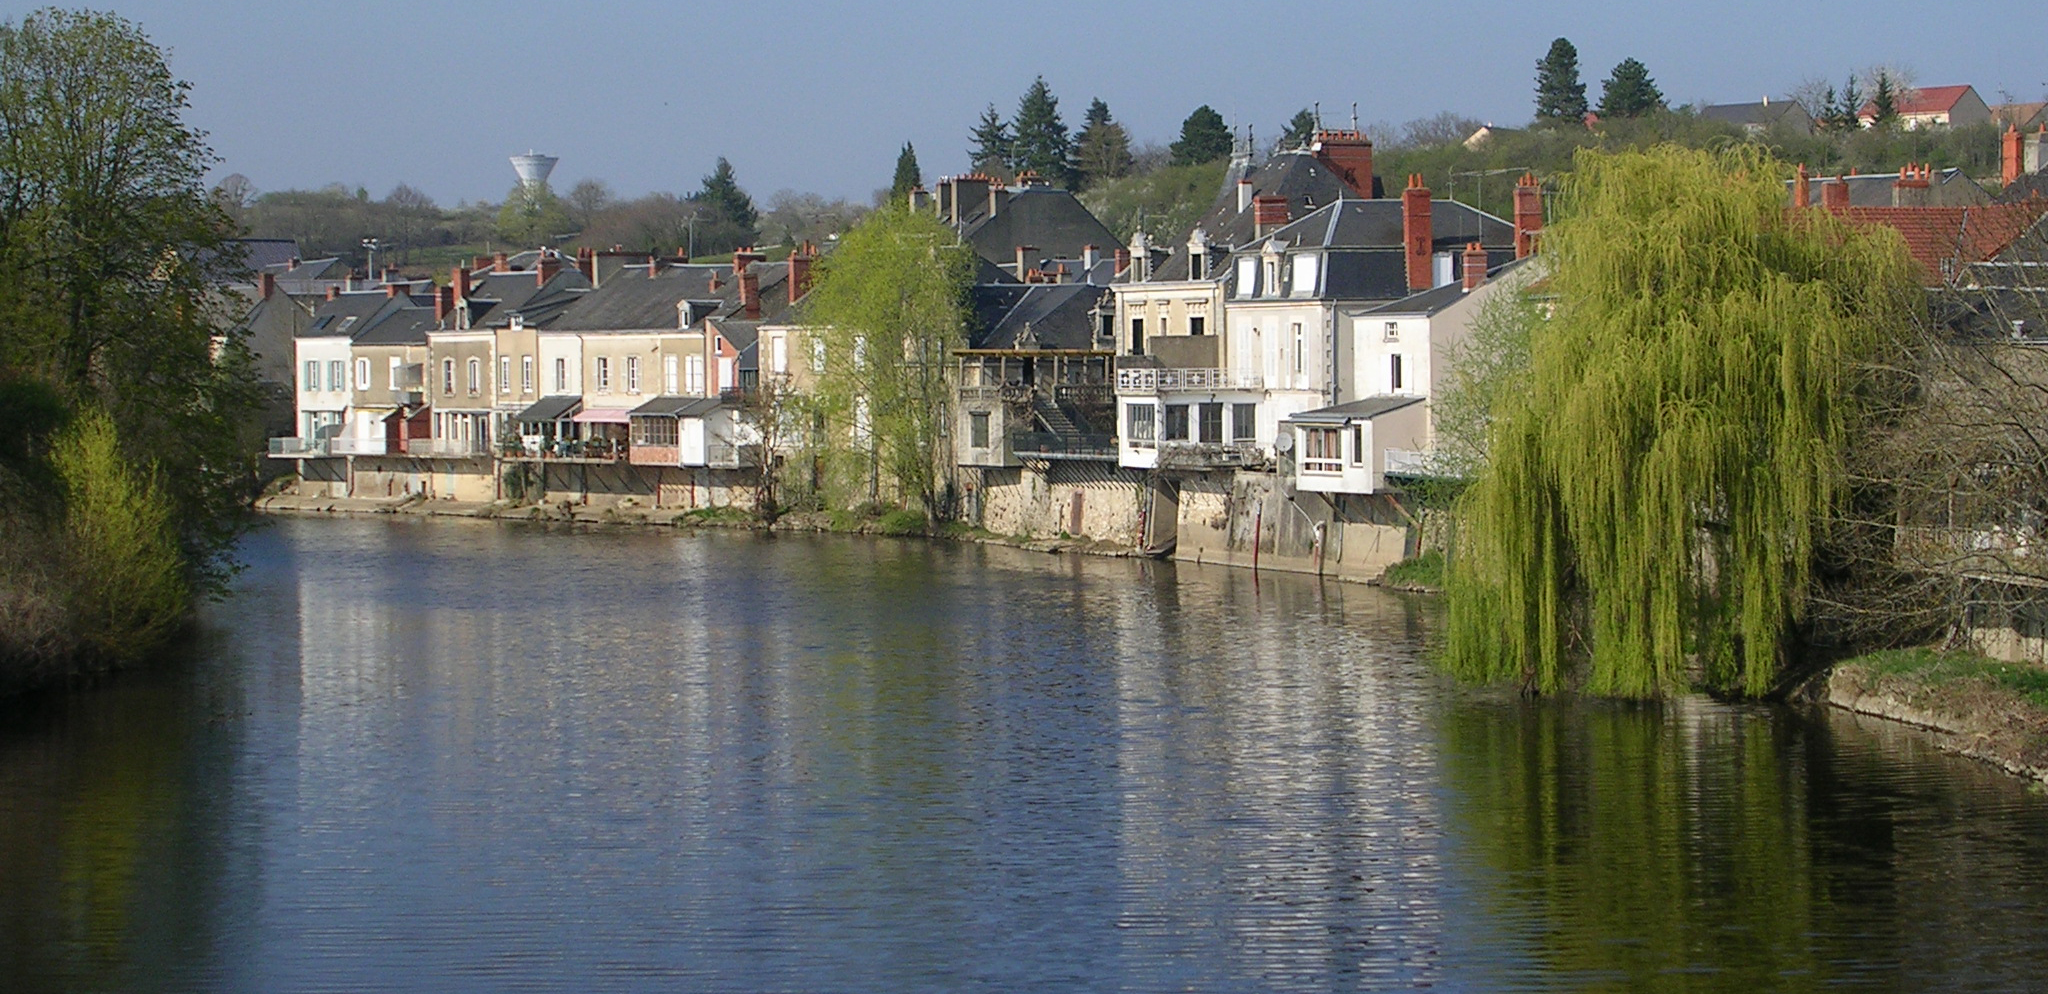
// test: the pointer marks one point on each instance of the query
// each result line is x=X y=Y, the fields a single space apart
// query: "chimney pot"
x=1348 y=156
x=750 y=293
x=1123 y=261
x=1474 y=264
x=266 y=284
x=333 y=291
x=459 y=281
x=1802 y=188
x=501 y=263
x=1416 y=233
x=444 y=303
x=1528 y=214
x=1270 y=212
x=291 y=264
x=1834 y=194
x=799 y=273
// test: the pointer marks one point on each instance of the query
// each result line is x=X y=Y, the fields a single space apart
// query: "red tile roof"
x=1925 y=100
x=1957 y=236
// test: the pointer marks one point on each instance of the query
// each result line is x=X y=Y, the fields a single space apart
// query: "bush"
x=904 y=522
x=126 y=577
x=1426 y=570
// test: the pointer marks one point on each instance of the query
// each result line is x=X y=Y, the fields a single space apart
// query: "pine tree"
x=908 y=176
x=729 y=218
x=992 y=143
x=1038 y=137
x=1102 y=151
x=1629 y=91
x=1560 y=96
x=1300 y=128
x=1203 y=138
x=1884 y=101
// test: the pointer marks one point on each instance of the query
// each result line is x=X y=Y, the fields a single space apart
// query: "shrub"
x=127 y=585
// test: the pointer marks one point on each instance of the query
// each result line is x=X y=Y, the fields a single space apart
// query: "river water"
x=456 y=755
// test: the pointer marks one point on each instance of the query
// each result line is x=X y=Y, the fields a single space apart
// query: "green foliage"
x=992 y=143
x=1484 y=370
x=1935 y=666
x=1629 y=91
x=1038 y=138
x=1560 y=95
x=1884 y=102
x=533 y=217
x=1102 y=151
x=128 y=592
x=1426 y=570
x=1300 y=128
x=1169 y=199
x=1203 y=138
x=908 y=176
x=890 y=304
x=1657 y=491
x=904 y=522
x=728 y=219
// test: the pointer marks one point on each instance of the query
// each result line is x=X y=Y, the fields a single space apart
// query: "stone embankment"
x=1968 y=714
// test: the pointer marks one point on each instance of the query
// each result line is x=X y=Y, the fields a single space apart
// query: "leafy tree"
x=1038 y=138
x=992 y=143
x=1203 y=138
x=908 y=176
x=1657 y=492
x=729 y=220
x=1300 y=128
x=532 y=216
x=587 y=199
x=1560 y=95
x=1629 y=91
x=890 y=306
x=1102 y=151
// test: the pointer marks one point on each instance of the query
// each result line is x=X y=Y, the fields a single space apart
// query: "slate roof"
x=406 y=325
x=1053 y=222
x=668 y=406
x=498 y=296
x=553 y=408
x=1951 y=188
x=1040 y=315
x=331 y=317
x=1362 y=245
x=630 y=301
x=1306 y=183
x=1364 y=409
x=1435 y=299
x=262 y=253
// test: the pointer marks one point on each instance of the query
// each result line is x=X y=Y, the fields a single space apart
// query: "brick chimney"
x=291 y=264
x=750 y=293
x=586 y=263
x=919 y=199
x=1348 y=155
x=479 y=263
x=1913 y=187
x=1023 y=264
x=501 y=263
x=1528 y=215
x=546 y=268
x=2009 y=155
x=1416 y=234
x=1834 y=194
x=969 y=192
x=1802 y=188
x=459 y=281
x=745 y=257
x=799 y=272
x=266 y=285
x=1123 y=261
x=333 y=291
x=444 y=304
x=1474 y=264
x=392 y=290
x=1090 y=258
x=653 y=267
x=1269 y=213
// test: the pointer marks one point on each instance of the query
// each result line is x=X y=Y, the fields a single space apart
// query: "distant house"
x=1934 y=107
x=2024 y=117
x=1762 y=117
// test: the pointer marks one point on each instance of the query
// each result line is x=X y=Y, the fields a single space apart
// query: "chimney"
x=750 y=293
x=291 y=264
x=919 y=199
x=1475 y=265
x=390 y=274
x=501 y=263
x=1244 y=195
x=1090 y=258
x=1348 y=155
x=546 y=268
x=745 y=257
x=1834 y=194
x=333 y=291
x=459 y=281
x=444 y=303
x=968 y=193
x=586 y=263
x=1528 y=214
x=2009 y=155
x=479 y=263
x=713 y=285
x=1022 y=263
x=1123 y=261
x=1269 y=213
x=266 y=285
x=1416 y=233
x=1911 y=189
x=1802 y=188
x=799 y=273
x=653 y=267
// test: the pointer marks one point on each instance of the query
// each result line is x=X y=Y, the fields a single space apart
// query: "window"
x=1393 y=332
x=1304 y=276
x=504 y=374
x=1322 y=450
x=1209 y=423
x=362 y=374
x=1300 y=347
x=1244 y=422
x=778 y=354
x=817 y=355
x=1142 y=418
x=1198 y=267
x=448 y=376
x=1247 y=276
x=1358 y=445
x=604 y=374
x=1137 y=336
x=476 y=376
x=561 y=375
x=632 y=374
x=654 y=431
x=977 y=429
x=396 y=372
x=670 y=379
x=1176 y=423
x=337 y=374
x=526 y=374
x=1394 y=372
x=1195 y=324
x=693 y=374
x=312 y=378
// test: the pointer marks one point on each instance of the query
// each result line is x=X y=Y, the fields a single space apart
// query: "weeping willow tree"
x=1655 y=494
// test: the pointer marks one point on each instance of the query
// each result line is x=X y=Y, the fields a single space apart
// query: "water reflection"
x=460 y=755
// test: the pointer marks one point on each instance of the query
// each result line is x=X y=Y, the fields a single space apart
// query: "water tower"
x=533 y=169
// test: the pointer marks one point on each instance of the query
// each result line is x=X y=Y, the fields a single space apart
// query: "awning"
x=677 y=407
x=550 y=409
x=603 y=416
x=1357 y=410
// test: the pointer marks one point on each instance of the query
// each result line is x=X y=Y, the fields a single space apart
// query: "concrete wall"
x=1224 y=516
x=1080 y=499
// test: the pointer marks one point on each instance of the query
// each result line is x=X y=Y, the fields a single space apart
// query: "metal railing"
x=1166 y=380
x=1200 y=454
x=349 y=445
x=1409 y=462
x=297 y=448
x=455 y=448
x=1053 y=445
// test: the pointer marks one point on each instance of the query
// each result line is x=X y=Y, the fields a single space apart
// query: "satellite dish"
x=1284 y=441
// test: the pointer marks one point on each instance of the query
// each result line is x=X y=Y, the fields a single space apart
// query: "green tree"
x=1102 y=151
x=1038 y=138
x=1560 y=95
x=1629 y=91
x=908 y=177
x=890 y=306
x=728 y=219
x=992 y=143
x=110 y=249
x=1657 y=492
x=1203 y=138
x=1884 y=102
x=533 y=216
x=1300 y=128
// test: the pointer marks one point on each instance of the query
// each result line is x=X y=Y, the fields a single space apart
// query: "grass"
x=1426 y=570
x=1933 y=666
x=724 y=514
x=904 y=522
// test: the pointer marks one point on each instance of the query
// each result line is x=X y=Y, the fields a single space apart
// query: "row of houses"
x=1258 y=387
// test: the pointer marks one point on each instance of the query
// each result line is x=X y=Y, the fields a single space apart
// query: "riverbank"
x=1969 y=705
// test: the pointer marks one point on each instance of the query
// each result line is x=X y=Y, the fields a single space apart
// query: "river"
x=456 y=755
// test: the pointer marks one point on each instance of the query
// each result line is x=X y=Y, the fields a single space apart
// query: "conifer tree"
x=732 y=220
x=1300 y=128
x=1884 y=101
x=1038 y=137
x=992 y=143
x=1560 y=95
x=1629 y=91
x=1102 y=151
x=908 y=175
x=1203 y=138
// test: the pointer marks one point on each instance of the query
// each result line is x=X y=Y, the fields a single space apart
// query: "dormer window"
x=518 y=322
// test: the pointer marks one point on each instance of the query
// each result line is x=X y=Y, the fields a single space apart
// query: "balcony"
x=298 y=448
x=578 y=450
x=348 y=445
x=408 y=398
x=1140 y=380
x=447 y=448
x=1210 y=455
x=1053 y=445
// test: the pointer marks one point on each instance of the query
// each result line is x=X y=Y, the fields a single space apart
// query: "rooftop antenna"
x=1319 y=115
x=1354 y=115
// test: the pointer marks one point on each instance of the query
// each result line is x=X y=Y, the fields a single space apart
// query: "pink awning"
x=602 y=416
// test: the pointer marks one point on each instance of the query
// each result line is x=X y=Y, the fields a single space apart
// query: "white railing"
x=1167 y=380
x=446 y=447
x=295 y=448
x=1410 y=462
x=349 y=445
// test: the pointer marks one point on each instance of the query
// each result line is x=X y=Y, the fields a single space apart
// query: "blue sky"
x=818 y=97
